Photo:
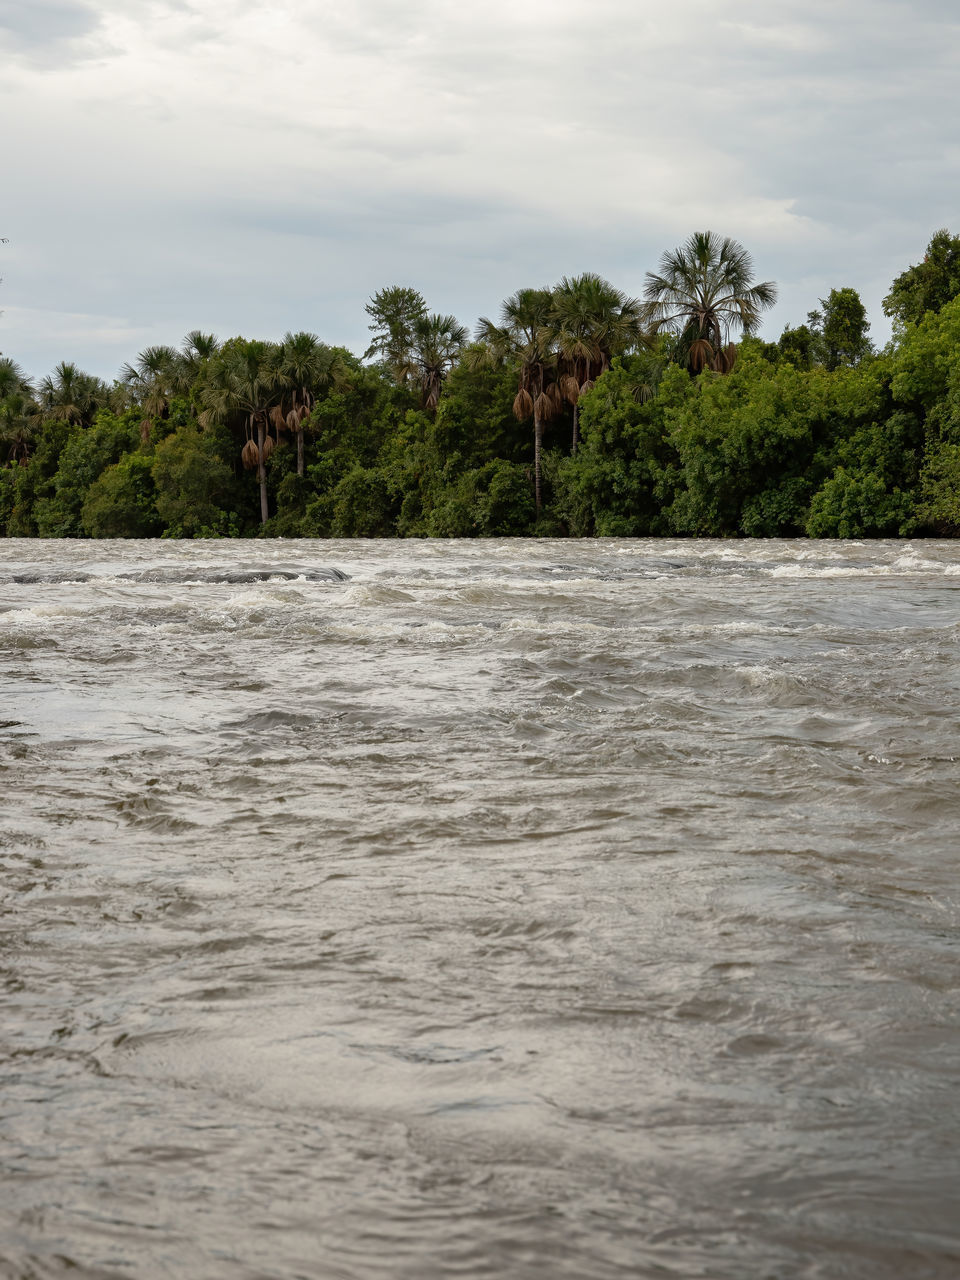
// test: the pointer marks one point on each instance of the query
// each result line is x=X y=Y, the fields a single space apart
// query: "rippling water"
x=514 y=909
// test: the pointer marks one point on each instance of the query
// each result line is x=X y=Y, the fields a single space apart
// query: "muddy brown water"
x=505 y=909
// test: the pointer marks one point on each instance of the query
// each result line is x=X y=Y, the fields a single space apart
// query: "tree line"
x=577 y=411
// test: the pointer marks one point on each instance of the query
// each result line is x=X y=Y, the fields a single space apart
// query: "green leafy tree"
x=926 y=367
x=929 y=285
x=620 y=480
x=475 y=421
x=798 y=346
x=872 y=490
x=352 y=426
x=196 y=349
x=939 y=506
x=705 y=294
x=754 y=446
x=364 y=505
x=8 y=496
x=394 y=314
x=35 y=476
x=926 y=381
x=196 y=490
x=83 y=455
x=840 y=330
x=503 y=505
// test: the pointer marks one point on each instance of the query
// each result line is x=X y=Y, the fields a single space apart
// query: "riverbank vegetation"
x=577 y=411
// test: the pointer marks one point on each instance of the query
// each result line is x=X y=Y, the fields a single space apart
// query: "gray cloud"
x=39 y=31
x=276 y=175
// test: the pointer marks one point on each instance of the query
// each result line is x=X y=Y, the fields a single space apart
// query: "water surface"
x=526 y=909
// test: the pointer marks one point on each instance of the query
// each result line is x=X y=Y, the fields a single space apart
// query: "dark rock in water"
x=214 y=576
x=29 y=578
x=173 y=576
x=234 y=575
x=561 y=571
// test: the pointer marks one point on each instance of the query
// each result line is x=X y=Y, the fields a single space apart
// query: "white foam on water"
x=826 y=571
x=912 y=562
x=556 y=627
x=260 y=597
x=428 y=632
x=42 y=614
x=760 y=676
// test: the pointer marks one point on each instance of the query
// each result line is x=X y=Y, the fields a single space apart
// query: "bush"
x=196 y=490
x=857 y=504
x=363 y=506
x=120 y=504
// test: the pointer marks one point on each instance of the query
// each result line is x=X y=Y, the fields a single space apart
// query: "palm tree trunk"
x=537 y=438
x=262 y=474
x=576 y=430
x=300 y=453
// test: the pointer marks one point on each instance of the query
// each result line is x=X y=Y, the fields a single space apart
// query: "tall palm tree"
x=437 y=342
x=703 y=293
x=196 y=347
x=151 y=382
x=307 y=367
x=526 y=333
x=594 y=322
x=245 y=382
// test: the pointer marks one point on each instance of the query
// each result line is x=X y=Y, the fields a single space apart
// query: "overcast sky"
x=243 y=168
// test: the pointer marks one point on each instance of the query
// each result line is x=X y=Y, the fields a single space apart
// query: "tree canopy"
x=578 y=411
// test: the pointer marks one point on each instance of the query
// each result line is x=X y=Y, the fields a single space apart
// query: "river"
x=522 y=909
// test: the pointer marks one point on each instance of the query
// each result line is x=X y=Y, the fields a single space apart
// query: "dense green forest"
x=578 y=411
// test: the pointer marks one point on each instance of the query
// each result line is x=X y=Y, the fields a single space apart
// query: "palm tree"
x=19 y=412
x=307 y=366
x=70 y=395
x=151 y=382
x=527 y=334
x=704 y=292
x=594 y=322
x=196 y=347
x=245 y=381
x=12 y=378
x=437 y=342
x=649 y=370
